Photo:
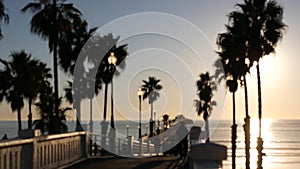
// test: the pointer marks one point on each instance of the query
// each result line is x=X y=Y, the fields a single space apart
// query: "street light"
x=127 y=127
x=140 y=93
x=112 y=60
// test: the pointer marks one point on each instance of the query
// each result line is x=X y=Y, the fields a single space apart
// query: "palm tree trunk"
x=247 y=141
x=55 y=69
x=91 y=115
x=207 y=130
x=259 y=97
x=259 y=139
x=233 y=108
x=246 y=96
x=55 y=78
x=247 y=126
x=151 y=121
x=53 y=122
x=105 y=101
x=29 y=114
x=19 y=120
x=233 y=135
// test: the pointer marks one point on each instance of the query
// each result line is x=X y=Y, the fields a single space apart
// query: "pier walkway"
x=110 y=162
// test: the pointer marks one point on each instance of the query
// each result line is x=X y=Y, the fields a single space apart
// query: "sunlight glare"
x=265 y=131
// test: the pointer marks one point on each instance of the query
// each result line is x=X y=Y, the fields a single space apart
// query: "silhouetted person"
x=4 y=137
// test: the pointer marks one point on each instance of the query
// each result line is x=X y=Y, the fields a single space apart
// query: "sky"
x=189 y=33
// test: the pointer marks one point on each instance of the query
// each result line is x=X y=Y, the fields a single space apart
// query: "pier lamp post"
x=127 y=127
x=112 y=60
x=140 y=93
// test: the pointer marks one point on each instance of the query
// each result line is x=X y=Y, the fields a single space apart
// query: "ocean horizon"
x=281 y=140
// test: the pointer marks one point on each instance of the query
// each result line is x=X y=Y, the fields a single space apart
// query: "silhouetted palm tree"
x=14 y=76
x=52 y=20
x=46 y=108
x=3 y=17
x=231 y=64
x=259 y=23
x=150 y=89
x=89 y=93
x=72 y=44
x=264 y=28
x=231 y=57
x=233 y=47
x=205 y=103
x=37 y=74
x=70 y=48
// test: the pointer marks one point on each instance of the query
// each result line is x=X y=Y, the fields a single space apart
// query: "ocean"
x=281 y=140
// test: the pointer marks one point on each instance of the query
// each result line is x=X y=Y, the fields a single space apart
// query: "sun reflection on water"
x=267 y=137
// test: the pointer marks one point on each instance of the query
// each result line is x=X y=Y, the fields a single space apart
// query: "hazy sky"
x=279 y=72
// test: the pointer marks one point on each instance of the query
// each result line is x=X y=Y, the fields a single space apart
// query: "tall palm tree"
x=72 y=44
x=52 y=20
x=205 y=103
x=264 y=30
x=232 y=64
x=14 y=77
x=231 y=57
x=233 y=42
x=70 y=48
x=260 y=23
x=150 y=89
x=3 y=16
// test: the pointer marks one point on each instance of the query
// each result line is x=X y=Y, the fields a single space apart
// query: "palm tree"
x=52 y=20
x=150 y=89
x=91 y=93
x=70 y=93
x=231 y=65
x=46 y=107
x=85 y=86
x=70 y=47
x=231 y=57
x=3 y=17
x=205 y=104
x=264 y=30
x=260 y=24
x=233 y=48
x=37 y=74
x=72 y=44
x=14 y=77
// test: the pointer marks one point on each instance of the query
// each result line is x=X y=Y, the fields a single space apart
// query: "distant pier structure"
x=33 y=151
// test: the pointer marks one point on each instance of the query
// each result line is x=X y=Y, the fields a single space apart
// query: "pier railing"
x=52 y=151
x=124 y=146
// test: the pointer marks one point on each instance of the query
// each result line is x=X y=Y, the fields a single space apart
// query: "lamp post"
x=127 y=127
x=140 y=93
x=112 y=60
x=147 y=129
x=154 y=125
